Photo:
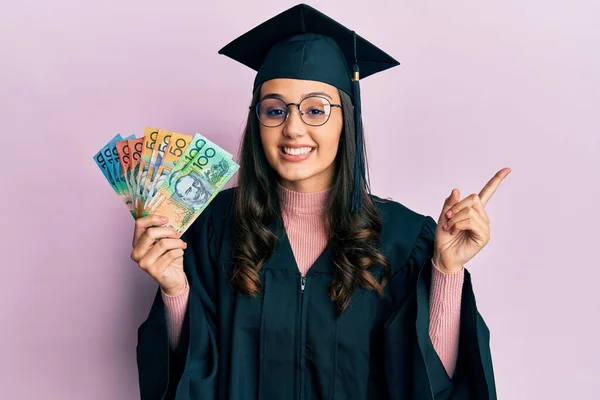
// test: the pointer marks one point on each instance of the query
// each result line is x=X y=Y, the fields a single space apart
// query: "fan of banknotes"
x=175 y=175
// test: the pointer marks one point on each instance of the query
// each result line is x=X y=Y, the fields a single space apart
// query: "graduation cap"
x=303 y=43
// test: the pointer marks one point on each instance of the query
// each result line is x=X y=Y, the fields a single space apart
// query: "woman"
x=298 y=283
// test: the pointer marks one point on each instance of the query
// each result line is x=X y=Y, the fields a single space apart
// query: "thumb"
x=450 y=201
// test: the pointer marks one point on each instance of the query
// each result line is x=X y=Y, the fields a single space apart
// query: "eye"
x=275 y=112
x=315 y=111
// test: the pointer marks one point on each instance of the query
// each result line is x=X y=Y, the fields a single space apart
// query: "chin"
x=295 y=176
x=299 y=172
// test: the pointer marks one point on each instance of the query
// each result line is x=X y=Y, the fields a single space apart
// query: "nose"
x=293 y=126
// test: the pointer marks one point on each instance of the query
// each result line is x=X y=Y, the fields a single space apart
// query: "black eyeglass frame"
x=297 y=106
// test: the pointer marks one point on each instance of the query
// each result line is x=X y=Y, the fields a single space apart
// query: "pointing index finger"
x=490 y=188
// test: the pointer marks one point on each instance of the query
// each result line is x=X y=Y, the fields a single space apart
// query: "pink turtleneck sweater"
x=304 y=223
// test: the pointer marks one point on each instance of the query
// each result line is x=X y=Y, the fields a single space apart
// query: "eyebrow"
x=280 y=97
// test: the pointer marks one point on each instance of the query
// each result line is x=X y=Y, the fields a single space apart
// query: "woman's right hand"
x=162 y=260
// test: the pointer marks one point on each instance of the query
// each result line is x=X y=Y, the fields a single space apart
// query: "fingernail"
x=185 y=245
x=449 y=213
x=445 y=227
x=164 y=219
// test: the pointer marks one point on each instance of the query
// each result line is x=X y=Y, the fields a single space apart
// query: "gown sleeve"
x=162 y=371
x=413 y=367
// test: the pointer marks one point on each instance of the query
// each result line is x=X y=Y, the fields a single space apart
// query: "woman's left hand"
x=464 y=227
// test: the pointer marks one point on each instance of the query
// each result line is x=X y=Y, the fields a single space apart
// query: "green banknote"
x=198 y=144
x=183 y=196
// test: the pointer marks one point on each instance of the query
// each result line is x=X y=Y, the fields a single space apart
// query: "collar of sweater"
x=303 y=203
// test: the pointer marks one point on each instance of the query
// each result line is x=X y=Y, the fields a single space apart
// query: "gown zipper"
x=302 y=336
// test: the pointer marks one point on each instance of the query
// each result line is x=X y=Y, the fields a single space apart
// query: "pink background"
x=482 y=85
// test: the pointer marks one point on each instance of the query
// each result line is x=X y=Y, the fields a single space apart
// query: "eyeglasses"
x=314 y=111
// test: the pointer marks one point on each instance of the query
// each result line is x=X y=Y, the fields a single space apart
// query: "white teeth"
x=297 y=152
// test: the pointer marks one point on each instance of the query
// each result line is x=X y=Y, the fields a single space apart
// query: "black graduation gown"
x=288 y=344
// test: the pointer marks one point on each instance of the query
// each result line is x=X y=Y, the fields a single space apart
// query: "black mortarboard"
x=303 y=43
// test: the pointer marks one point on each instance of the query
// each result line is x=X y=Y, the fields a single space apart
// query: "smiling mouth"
x=300 y=151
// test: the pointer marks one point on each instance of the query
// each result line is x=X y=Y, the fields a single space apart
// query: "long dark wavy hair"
x=354 y=238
